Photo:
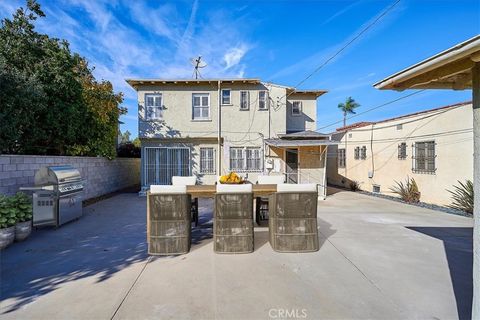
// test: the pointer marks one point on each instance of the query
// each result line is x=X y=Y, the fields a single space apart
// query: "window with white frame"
x=207 y=160
x=153 y=106
x=201 y=106
x=244 y=100
x=245 y=159
x=363 y=153
x=424 y=157
x=262 y=100
x=341 y=158
x=296 y=108
x=226 y=96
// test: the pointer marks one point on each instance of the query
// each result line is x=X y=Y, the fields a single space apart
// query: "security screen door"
x=291 y=161
x=161 y=164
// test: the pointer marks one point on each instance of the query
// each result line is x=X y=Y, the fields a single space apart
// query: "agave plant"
x=408 y=191
x=462 y=196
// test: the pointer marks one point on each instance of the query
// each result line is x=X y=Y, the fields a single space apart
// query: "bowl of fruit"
x=231 y=178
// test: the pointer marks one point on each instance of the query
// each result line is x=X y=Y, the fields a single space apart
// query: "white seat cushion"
x=234 y=188
x=270 y=179
x=184 y=181
x=289 y=187
x=156 y=189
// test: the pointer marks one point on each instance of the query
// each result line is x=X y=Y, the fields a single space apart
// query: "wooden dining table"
x=209 y=190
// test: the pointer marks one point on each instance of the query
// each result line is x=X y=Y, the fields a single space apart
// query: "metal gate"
x=160 y=164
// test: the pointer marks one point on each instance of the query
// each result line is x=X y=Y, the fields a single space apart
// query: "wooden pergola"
x=457 y=68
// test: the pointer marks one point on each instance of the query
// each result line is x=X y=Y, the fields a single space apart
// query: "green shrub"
x=8 y=213
x=23 y=205
x=408 y=191
x=13 y=209
x=462 y=197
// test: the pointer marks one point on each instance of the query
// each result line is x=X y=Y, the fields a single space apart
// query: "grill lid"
x=56 y=175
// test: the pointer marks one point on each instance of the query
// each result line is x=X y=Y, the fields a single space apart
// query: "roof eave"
x=454 y=60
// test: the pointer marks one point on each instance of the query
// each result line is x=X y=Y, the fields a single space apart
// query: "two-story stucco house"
x=208 y=128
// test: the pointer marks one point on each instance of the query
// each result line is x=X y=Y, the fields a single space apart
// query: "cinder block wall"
x=101 y=175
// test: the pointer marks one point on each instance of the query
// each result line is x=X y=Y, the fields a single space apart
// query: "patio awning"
x=450 y=69
x=279 y=143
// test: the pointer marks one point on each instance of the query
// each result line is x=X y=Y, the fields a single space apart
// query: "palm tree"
x=348 y=107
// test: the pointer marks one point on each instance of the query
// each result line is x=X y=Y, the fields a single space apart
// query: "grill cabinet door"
x=70 y=208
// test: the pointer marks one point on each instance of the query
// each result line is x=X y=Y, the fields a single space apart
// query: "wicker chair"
x=169 y=220
x=261 y=203
x=188 y=181
x=293 y=218
x=233 y=221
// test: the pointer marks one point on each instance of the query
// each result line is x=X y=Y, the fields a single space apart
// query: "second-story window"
x=296 y=108
x=244 y=100
x=402 y=151
x=226 y=96
x=201 y=106
x=262 y=100
x=153 y=106
x=356 y=153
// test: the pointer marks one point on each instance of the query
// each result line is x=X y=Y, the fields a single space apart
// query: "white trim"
x=267 y=100
x=221 y=97
x=248 y=100
x=201 y=94
x=158 y=116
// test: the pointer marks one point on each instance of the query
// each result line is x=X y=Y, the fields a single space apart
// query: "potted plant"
x=7 y=222
x=23 y=212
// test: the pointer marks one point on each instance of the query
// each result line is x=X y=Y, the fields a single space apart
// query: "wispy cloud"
x=234 y=56
x=341 y=12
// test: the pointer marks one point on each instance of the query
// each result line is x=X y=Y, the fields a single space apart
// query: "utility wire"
x=374 y=108
x=343 y=48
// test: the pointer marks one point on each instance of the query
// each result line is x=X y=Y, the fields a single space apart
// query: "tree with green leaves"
x=50 y=101
x=348 y=108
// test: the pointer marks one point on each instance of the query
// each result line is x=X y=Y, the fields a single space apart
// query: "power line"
x=344 y=47
x=374 y=108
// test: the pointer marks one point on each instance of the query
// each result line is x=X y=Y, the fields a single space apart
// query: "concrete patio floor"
x=378 y=259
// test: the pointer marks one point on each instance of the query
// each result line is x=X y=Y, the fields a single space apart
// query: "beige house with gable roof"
x=210 y=127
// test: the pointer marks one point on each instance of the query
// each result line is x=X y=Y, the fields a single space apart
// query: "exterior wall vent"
x=349 y=135
x=399 y=126
x=376 y=188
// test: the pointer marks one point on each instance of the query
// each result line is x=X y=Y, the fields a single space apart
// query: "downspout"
x=219 y=132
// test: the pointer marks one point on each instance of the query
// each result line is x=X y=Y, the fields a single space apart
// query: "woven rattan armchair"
x=293 y=218
x=169 y=220
x=233 y=219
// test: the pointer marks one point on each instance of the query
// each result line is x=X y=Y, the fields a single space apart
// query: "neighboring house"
x=184 y=132
x=434 y=147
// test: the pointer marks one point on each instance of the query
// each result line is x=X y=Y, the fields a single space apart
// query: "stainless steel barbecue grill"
x=57 y=195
